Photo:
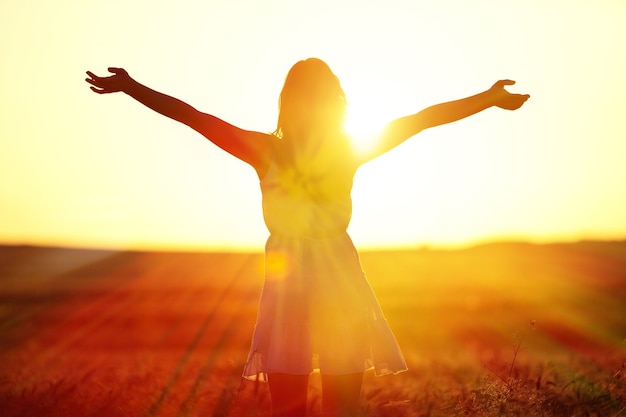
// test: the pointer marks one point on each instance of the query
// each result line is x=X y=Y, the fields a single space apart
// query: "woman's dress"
x=317 y=311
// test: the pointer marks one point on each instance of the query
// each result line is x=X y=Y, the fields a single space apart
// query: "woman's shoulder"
x=265 y=145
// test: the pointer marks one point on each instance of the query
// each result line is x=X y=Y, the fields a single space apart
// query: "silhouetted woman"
x=317 y=310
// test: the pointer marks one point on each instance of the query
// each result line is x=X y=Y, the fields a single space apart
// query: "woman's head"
x=312 y=100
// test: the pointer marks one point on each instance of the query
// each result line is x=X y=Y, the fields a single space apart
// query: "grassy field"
x=506 y=329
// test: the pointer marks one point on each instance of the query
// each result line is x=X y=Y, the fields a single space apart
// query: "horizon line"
x=364 y=248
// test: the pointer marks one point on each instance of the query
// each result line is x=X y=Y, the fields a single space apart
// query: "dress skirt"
x=317 y=312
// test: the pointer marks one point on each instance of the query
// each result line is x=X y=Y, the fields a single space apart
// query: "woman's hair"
x=311 y=101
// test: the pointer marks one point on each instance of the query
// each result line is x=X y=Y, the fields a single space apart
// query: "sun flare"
x=363 y=127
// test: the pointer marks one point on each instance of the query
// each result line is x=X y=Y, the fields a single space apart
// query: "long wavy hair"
x=311 y=102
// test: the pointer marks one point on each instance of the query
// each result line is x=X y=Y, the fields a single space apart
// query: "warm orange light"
x=276 y=265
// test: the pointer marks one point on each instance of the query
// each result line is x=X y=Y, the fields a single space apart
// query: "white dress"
x=317 y=311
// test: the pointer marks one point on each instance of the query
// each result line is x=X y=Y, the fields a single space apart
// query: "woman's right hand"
x=119 y=81
x=502 y=98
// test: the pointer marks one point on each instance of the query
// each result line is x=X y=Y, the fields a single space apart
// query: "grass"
x=495 y=330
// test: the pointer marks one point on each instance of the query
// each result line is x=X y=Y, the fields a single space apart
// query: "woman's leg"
x=341 y=394
x=288 y=394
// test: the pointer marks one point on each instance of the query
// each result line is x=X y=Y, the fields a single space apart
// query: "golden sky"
x=77 y=168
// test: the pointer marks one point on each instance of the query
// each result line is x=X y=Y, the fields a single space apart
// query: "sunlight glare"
x=363 y=126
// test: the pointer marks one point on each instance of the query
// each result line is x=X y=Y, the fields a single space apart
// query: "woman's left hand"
x=119 y=81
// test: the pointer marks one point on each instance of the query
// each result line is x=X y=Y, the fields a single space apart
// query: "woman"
x=317 y=310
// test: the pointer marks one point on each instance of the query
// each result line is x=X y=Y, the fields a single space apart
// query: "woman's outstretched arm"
x=403 y=128
x=251 y=147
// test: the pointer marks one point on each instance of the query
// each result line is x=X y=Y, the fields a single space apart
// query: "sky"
x=80 y=169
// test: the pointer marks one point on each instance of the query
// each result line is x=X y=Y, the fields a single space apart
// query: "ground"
x=498 y=329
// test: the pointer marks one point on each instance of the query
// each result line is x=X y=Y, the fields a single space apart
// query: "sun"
x=363 y=125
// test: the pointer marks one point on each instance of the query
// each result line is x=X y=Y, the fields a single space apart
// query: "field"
x=508 y=329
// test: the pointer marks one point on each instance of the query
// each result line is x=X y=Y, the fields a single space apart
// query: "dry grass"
x=165 y=334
